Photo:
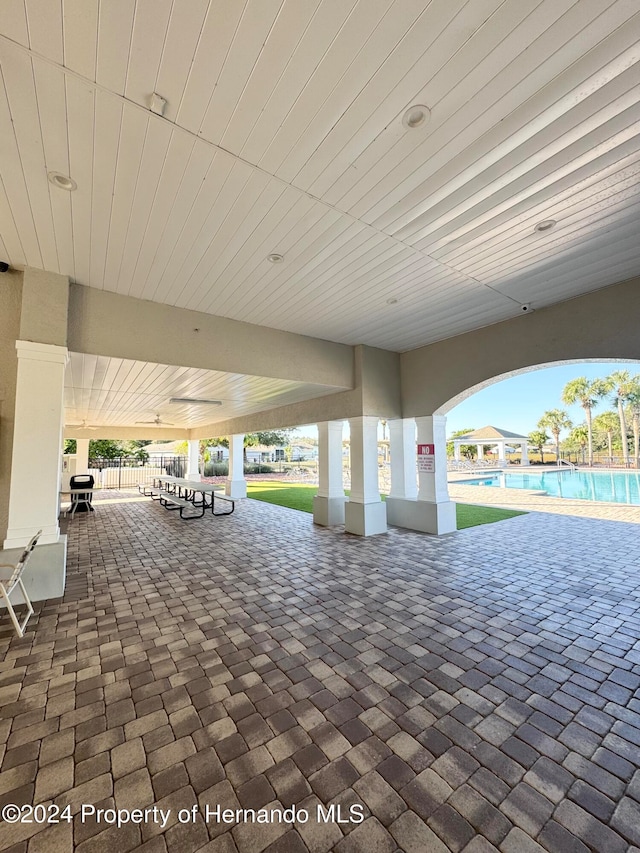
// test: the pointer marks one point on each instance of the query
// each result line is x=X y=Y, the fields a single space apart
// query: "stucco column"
x=432 y=511
x=82 y=455
x=437 y=510
x=524 y=457
x=456 y=452
x=328 y=504
x=502 y=456
x=480 y=448
x=365 y=514
x=193 y=460
x=402 y=445
x=37 y=438
x=236 y=485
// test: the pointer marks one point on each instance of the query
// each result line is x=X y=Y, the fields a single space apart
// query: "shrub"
x=216 y=469
x=258 y=468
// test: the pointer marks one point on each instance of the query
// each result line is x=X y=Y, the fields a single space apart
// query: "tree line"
x=104 y=448
x=619 y=426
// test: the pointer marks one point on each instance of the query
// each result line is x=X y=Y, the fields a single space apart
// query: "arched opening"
x=593 y=405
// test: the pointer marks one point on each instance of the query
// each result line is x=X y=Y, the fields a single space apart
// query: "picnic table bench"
x=180 y=494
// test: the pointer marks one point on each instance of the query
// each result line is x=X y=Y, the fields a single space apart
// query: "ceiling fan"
x=83 y=425
x=157 y=421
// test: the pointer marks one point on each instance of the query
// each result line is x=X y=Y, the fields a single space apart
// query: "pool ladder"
x=564 y=462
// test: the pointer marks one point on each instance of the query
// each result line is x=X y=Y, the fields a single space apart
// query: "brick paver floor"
x=471 y=693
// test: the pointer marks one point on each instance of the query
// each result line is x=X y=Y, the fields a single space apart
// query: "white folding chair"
x=8 y=585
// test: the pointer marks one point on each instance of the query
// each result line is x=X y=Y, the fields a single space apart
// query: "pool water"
x=612 y=486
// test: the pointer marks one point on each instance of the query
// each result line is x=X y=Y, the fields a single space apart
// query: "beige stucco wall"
x=333 y=407
x=10 y=300
x=109 y=324
x=376 y=392
x=45 y=301
x=599 y=326
x=378 y=373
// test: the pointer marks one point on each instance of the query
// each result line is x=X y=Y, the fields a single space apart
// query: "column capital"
x=365 y=420
x=42 y=352
x=432 y=419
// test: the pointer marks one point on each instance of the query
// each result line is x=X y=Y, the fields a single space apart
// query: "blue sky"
x=517 y=404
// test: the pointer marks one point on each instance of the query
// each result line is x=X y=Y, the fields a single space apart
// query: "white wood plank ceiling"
x=282 y=133
x=111 y=392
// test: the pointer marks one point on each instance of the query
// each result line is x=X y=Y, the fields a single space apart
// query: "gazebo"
x=502 y=438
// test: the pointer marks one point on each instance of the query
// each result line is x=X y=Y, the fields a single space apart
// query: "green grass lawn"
x=469 y=515
x=300 y=496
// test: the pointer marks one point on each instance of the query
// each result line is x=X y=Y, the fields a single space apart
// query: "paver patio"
x=475 y=692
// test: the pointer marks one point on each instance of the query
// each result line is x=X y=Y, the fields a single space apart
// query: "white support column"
x=193 y=460
x=437 y=512
x=433 y=511
x=502 y=456
x=365 y=514
x=37 y=439
x=480 y=448
x=402 y=441
x=402 y=501
x=524 y=456
x=328 y=505
x=236 y=485
x=82 y=456
x=456 y=452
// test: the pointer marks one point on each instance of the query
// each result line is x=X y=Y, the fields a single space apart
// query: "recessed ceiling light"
x=275 y=258
x=195 y=400
x=416 y=116
x=63 y=182
x=547 y=225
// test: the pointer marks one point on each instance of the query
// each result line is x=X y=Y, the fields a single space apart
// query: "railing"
x=126 y=472
x=463 y=465
x=566 y=462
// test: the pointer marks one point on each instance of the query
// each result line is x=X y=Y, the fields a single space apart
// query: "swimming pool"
x=613 y=486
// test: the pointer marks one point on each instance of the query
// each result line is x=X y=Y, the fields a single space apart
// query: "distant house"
x=303 y=452
x=300 y=452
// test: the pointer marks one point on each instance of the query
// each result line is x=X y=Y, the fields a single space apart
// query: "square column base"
x=328 y=511
x=45 y=574
x=424 y=516
x=365 y=519
x=17 y=537
x=236 y=488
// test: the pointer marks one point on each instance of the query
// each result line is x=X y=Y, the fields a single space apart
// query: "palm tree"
x=608 y=424
x=587 y=393
x=555 y=420
x=622 y=385
x=579 y=437
x=537 y=440
x=634 y=406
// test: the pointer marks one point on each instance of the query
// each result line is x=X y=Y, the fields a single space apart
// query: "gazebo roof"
x=489 y=433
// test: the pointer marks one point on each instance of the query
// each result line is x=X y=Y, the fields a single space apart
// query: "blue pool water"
x=616 y=486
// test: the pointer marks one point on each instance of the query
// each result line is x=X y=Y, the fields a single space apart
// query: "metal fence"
x=125 y=472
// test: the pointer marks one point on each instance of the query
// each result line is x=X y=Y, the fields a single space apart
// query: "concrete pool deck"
x=535 y=501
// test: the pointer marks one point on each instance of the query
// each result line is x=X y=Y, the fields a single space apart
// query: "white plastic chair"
x=8 y=585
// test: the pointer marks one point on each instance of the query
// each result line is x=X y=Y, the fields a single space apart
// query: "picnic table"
x=187 y=495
